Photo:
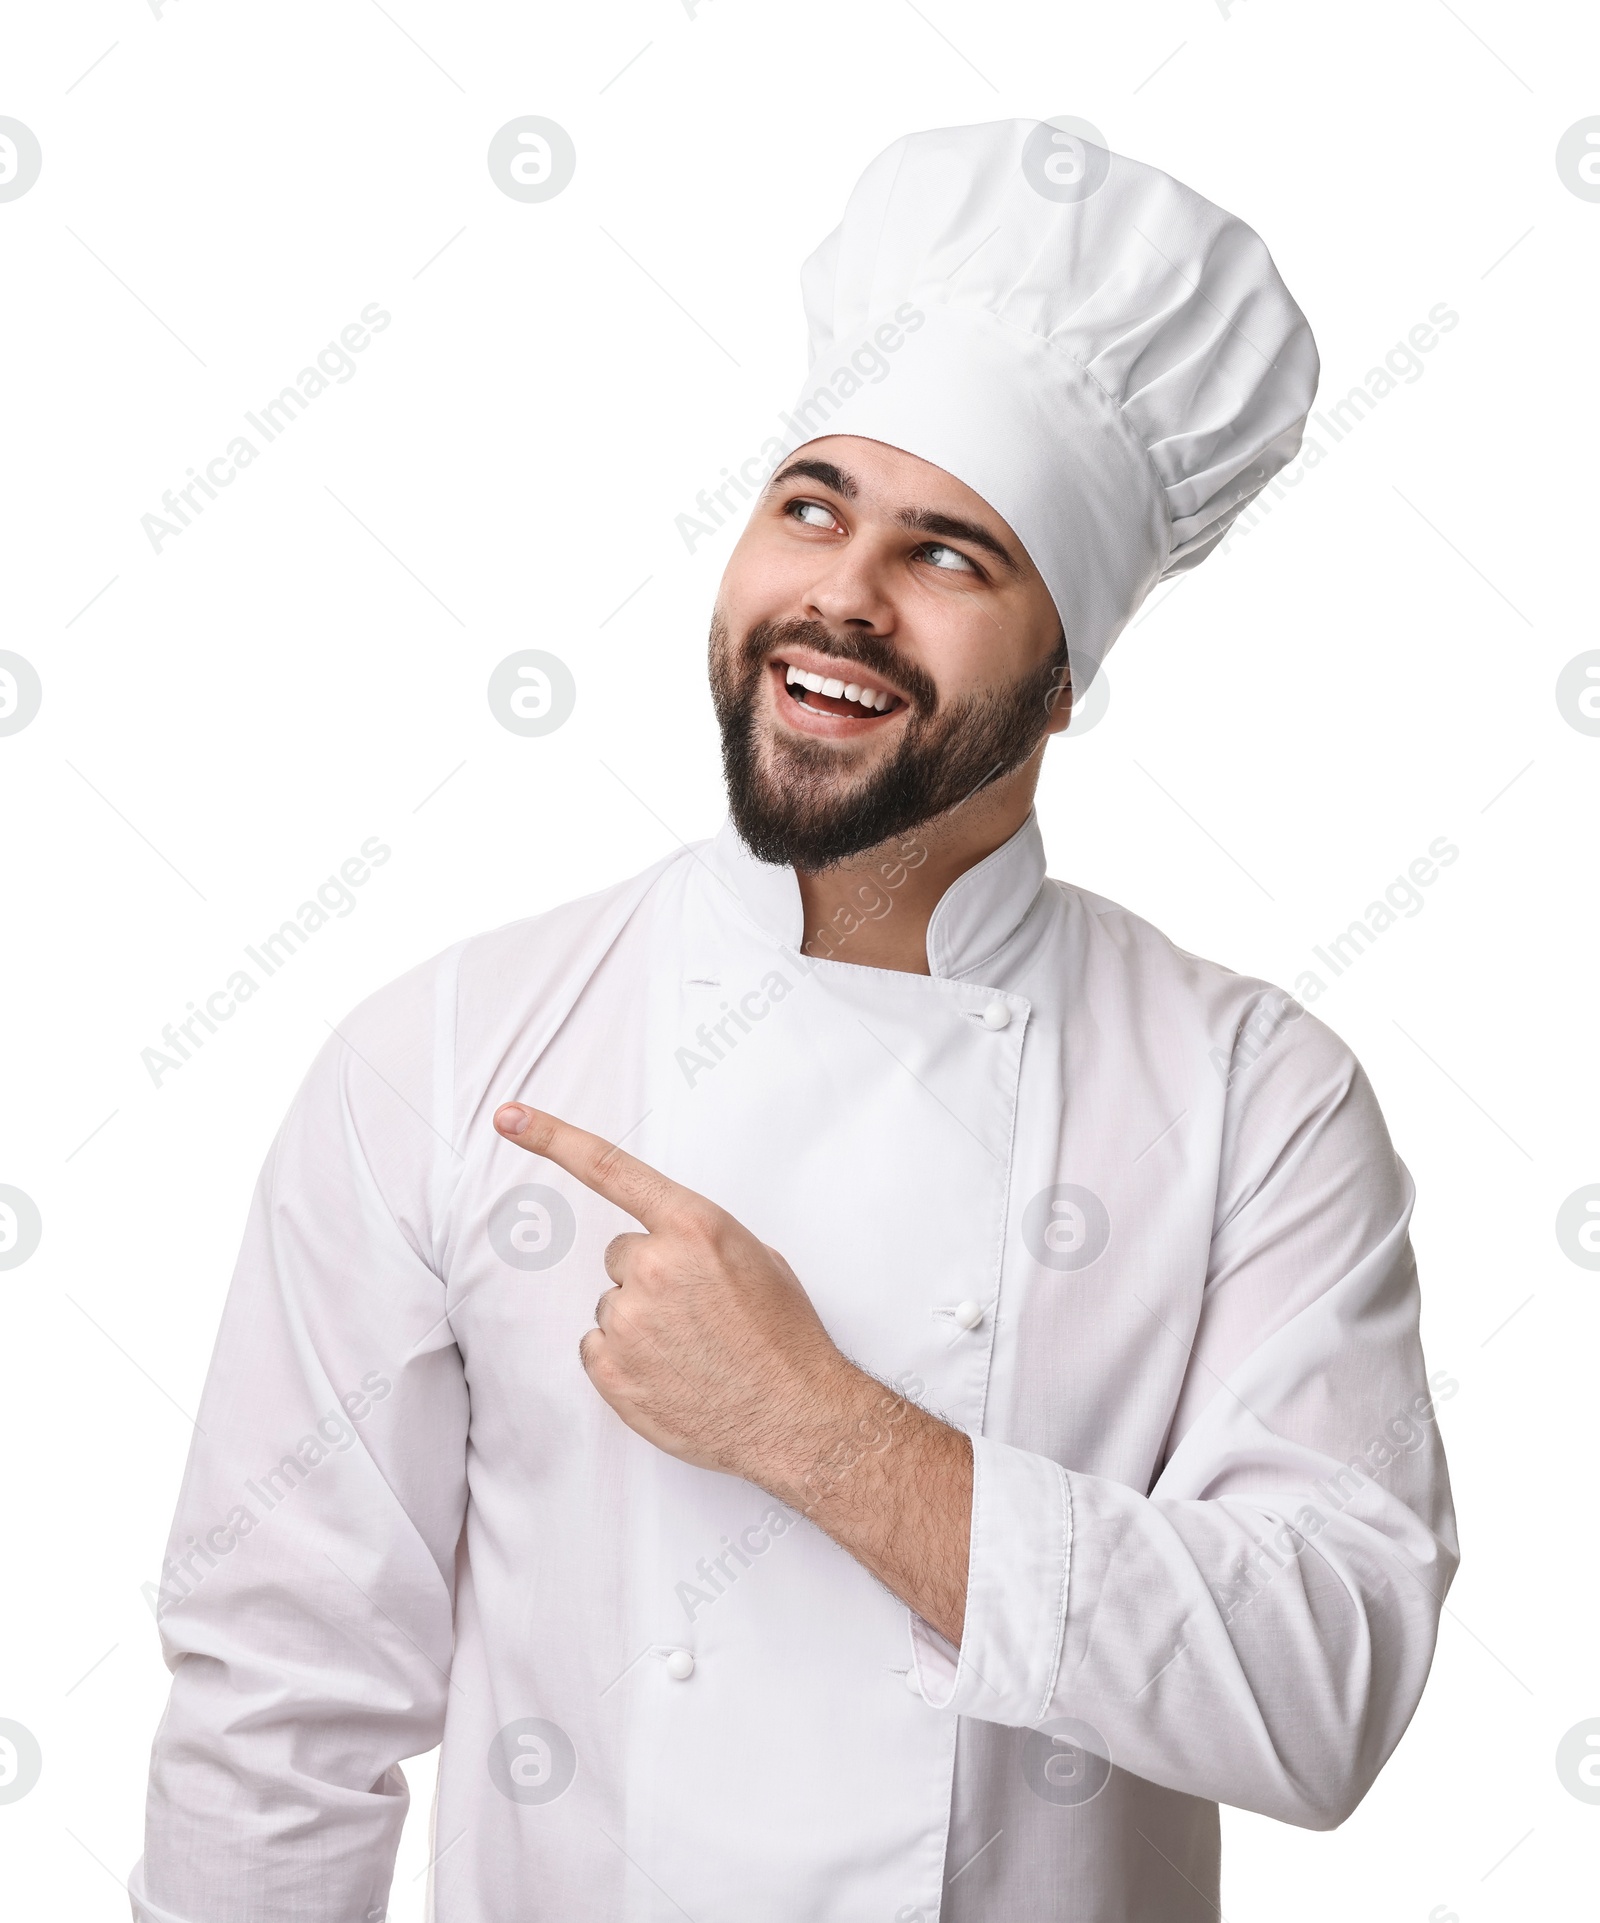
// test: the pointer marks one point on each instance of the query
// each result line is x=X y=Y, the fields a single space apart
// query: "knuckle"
x=650 y=1265
x=609 y=1163
x=705 y=1226
x=603 y=1370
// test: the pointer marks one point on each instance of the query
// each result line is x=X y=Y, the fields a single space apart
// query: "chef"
x=842 y=1379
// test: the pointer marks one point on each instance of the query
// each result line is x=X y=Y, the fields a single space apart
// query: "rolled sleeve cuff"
x=144 y=1911
x=1018 y=1561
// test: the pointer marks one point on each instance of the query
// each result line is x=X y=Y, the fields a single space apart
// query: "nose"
x=849 y=592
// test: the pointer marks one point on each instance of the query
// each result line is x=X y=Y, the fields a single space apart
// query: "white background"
x=226 y=721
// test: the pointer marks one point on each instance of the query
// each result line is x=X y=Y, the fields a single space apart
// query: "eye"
x=952 y=560
x=812 y=513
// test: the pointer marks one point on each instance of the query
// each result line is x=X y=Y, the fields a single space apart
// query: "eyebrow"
x=830 y=476
x=926 y=520
x=920 y=520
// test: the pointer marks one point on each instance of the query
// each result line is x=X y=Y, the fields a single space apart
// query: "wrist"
x=838 y=1434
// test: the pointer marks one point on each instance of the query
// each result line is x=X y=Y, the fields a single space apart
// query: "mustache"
x=869 y=651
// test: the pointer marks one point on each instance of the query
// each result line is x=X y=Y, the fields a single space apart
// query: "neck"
x=875 y=908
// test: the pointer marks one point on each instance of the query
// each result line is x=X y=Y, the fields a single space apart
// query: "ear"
x=1058 y=700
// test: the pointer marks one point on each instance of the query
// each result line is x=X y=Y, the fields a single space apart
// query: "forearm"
x=891 y=1484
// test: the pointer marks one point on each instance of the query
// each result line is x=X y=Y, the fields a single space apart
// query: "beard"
x=796 y=801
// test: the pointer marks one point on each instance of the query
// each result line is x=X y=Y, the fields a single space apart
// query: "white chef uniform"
x=1211 y=1528
x=1129 y=1220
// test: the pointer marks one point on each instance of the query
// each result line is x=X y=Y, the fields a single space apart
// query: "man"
x=1004 y=1435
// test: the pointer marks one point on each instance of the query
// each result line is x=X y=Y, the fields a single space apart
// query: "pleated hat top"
x=1110 y=361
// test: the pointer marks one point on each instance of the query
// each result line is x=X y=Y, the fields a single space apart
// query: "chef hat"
x=1111 y=362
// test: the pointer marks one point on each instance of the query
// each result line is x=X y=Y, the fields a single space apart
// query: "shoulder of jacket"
x=567 y=927
x=521 y=957
x=1229 y=1004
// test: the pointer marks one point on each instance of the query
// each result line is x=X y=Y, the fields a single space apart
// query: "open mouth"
x=849 y=695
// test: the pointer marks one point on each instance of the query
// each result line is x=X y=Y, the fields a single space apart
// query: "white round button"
x=912 y=1684
x=996 y=1015
x=680 y=1665
x=969 y=1314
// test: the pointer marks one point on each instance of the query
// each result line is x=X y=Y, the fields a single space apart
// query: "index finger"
x=649 y=1196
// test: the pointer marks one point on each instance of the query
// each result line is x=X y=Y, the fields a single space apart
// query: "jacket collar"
x=975 y=917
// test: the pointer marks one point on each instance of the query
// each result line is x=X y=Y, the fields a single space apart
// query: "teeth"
x=874 y=698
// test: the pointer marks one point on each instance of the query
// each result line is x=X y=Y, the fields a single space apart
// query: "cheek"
x=763 y=581
x=968 y=646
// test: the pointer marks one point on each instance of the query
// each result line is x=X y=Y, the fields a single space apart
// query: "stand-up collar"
x=975 y=916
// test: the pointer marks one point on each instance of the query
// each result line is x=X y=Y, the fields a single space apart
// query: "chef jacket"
x=1129 y=1220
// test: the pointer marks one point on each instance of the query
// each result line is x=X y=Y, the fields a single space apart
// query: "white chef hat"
x=1111 y=362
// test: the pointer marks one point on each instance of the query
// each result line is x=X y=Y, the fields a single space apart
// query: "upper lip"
x=837 y=668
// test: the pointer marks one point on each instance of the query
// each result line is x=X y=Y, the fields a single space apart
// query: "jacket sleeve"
x=1256 y=1628
x=306 y=1602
